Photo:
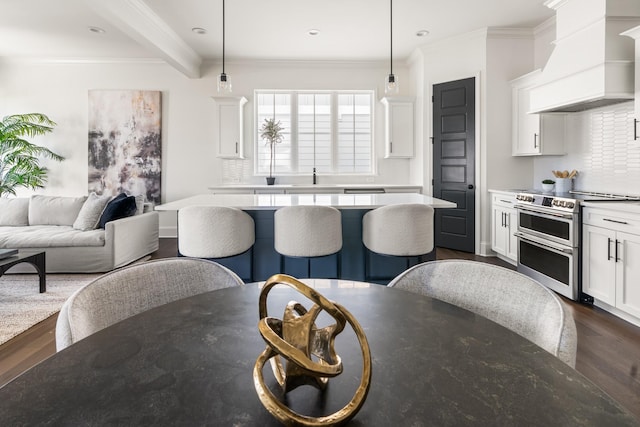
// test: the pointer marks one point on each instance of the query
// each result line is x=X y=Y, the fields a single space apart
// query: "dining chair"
x=307 y=232
x=504 y=296
x=214 y=231
x=401 y=230
x=130 y=290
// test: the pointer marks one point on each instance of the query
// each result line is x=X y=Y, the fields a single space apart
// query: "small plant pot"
x=547 y=188
x=271 y=180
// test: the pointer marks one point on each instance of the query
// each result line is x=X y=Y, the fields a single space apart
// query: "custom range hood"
x=591 y=65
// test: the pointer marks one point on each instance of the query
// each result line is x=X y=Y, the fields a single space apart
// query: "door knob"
x=470 y=187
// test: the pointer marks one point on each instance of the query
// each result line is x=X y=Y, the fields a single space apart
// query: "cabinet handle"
x=635 y=129
x=502 y=213
x=506 y=201
x=535 y=140
x=236 y=148
x=609 y=248
x=616 y=255
x=506 y=219
x=616 y=221
x=390 y=147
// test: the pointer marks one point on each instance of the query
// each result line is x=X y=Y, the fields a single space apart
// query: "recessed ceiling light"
x=422 y=33
x=313 y=32
x=199 y=30
x=97 y=30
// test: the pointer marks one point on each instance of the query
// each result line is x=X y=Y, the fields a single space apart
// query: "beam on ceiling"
x=136 y=19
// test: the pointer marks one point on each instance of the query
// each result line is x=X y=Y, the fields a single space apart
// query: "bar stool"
x=307 y=232
x=214 y=231
x=402 y=230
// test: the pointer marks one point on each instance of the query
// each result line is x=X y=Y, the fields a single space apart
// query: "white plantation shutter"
x=331 y=131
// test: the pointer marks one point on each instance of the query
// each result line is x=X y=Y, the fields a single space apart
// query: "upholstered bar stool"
x=214 y=231
x=307 y=232
x=402 y=230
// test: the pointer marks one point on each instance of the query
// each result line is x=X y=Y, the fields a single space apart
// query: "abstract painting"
x=124 y=142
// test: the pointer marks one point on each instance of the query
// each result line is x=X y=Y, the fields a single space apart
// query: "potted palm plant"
x=271 y=132
x=19 y=158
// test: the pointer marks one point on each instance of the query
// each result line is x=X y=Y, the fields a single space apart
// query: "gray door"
x=454 y=163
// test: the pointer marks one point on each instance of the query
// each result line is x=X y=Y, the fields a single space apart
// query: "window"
x=329 y=131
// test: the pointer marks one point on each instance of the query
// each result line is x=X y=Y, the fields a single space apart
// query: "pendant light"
x=224 y=85
x=391 y=82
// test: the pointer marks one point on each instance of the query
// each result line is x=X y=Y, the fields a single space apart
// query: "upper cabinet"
x=534 y=134
x=635 y=34
x=229 y=120
x=398 y=122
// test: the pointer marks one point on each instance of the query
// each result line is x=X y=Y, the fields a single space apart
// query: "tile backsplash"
x=600 y=146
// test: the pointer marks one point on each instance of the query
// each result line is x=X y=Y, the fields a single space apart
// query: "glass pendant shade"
x=224 y=84
x=391 y=86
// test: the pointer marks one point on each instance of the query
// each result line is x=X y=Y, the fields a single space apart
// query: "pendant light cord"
x=390 y=35
x=222 y=36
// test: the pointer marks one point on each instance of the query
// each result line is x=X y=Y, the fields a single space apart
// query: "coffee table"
x=35 y=258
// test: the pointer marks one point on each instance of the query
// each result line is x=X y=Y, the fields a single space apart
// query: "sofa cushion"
x=91 y=211
x=49 y=236
x=14 y=211
x=53 y=210
x=121 y=206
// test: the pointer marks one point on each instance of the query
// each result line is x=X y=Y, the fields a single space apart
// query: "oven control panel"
x=550 y=202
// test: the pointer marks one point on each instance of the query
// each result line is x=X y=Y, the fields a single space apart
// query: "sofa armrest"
x=133 y=237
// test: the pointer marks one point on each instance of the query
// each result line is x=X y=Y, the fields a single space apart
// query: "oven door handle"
x=541 y=213
x=528 y=239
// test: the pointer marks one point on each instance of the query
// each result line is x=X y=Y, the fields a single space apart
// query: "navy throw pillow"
x=121 y=206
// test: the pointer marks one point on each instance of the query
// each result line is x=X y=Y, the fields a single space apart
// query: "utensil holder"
x=564 y=185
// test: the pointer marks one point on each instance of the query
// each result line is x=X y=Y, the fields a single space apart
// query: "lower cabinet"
x=503 y=226
x=611 y=259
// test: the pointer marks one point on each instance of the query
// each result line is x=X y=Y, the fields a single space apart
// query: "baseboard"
x=168 y=232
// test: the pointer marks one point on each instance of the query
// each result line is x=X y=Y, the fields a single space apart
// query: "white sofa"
x=47 y=223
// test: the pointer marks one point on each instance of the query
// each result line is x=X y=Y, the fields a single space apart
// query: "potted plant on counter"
x=547 y=185
x=271 y=132
x=19 y=158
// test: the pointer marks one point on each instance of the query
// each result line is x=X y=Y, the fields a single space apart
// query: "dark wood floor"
x=608 y=347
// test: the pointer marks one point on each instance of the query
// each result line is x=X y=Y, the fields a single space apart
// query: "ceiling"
x=255 y=29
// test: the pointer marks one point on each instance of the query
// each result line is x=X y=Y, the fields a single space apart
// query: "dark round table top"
x=190 y=363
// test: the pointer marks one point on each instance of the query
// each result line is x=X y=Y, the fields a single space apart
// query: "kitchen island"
x=262 y=260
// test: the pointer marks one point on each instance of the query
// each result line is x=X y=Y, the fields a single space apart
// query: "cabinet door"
x=399 y=128
x=628 y=273
x=229 y=122
x=499 y=232
x=598 y=263
x=527 y=135
x=512 y=240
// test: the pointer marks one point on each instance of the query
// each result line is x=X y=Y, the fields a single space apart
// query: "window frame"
x=334 y=132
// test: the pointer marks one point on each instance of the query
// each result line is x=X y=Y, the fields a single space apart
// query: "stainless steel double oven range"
x=549 y=235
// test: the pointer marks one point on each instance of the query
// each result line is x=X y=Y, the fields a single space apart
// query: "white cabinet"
x=398 y=123
x=534 y=134
x=635 y=34
x=611 y=258
x=504 y=223
x=229 y=123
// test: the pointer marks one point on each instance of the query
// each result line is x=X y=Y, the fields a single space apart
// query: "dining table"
x=190 y=363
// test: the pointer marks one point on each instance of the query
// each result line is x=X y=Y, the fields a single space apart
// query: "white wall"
x=493 y=57
x=189 y=165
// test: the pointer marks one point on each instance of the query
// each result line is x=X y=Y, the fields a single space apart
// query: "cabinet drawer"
x=613 y=220
x=507 y=200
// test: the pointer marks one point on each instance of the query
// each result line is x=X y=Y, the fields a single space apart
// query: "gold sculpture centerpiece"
x=296 y=338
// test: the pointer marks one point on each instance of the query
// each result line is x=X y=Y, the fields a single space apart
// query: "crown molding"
x=73 y=60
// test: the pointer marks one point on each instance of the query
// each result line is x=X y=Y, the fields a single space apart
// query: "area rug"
x=22 y=305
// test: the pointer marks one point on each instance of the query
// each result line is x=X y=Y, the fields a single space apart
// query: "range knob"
x=570 y=205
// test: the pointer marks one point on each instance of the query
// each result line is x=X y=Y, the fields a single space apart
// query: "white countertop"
x=275 y=201
x=309 y=186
